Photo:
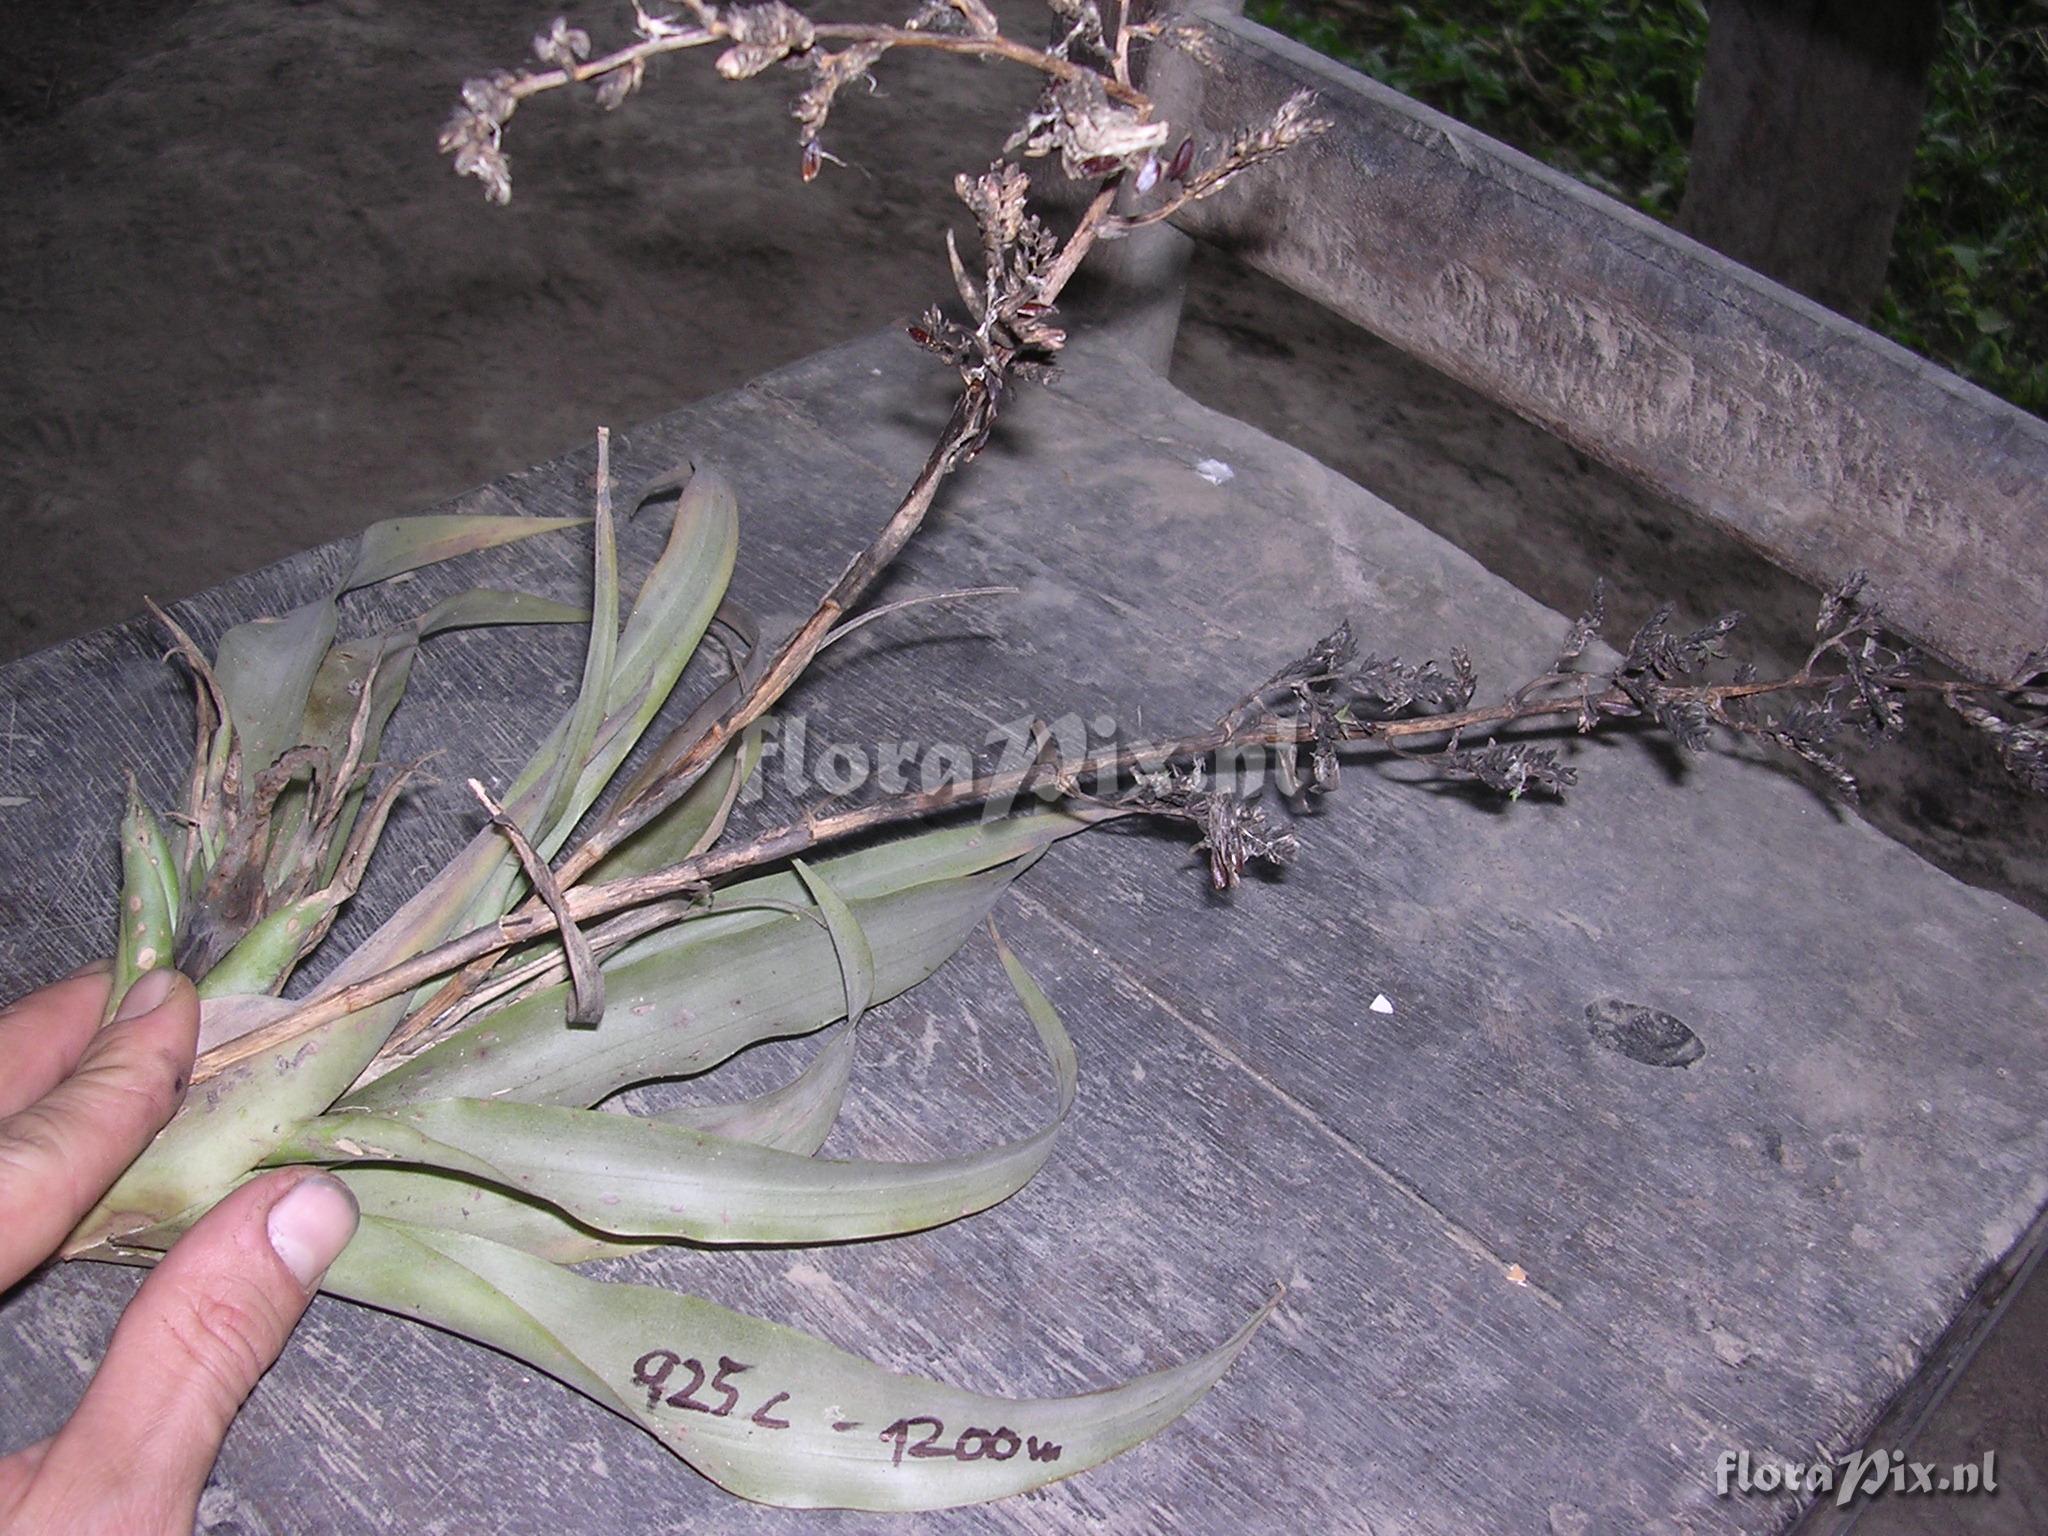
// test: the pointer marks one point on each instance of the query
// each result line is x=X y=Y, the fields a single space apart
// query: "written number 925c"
x=920 y=1436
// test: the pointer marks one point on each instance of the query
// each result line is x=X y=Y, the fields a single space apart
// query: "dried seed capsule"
x=813 y=159
x=1183 y=161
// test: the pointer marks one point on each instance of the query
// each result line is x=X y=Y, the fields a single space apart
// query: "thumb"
x=204 y=1327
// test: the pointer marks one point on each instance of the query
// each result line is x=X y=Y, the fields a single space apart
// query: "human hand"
x=78 y=1104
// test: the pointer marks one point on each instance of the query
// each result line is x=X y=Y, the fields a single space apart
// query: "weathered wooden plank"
x=1742 y=1226
x=1749 y=1253
x=1822 y=444
x=1999 y=1294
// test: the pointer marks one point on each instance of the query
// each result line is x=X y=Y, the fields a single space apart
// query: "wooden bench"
x=1535 y=1284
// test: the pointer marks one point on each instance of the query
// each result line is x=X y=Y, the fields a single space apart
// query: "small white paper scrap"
x=1380 y=1004
x=1215 y=471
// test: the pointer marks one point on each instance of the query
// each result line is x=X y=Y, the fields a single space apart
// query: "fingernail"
x=148 y=993
x=311 y=1225
x=98 y=967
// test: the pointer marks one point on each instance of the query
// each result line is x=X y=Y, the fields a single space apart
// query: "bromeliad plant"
x=484 y=1175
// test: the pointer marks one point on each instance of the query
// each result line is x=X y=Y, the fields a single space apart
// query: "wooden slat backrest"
x=1823 y=445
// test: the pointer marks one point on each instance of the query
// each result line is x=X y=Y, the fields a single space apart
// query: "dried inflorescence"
x=2019 y=734
x=1854 y=684
x=1090 y=117
x=1510 y=768
x=475 y=130
x=1092 y=135
x=1657 y=659
x=1011 y=303
x=1100 y=128
x=1332 y=694
x=2022 y=745
x=1863 y=695
x=1312 y=686
x=1235 y=832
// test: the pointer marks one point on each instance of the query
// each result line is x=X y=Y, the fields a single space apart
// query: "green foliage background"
x=1605 y=89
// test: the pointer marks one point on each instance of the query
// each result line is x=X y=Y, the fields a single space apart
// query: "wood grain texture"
x=1754 y=1252
x=1821 y=444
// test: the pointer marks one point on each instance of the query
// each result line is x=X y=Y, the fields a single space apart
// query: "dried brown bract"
x=2018 y=730
x=762 y=35
x=1190 y=38
x=562 y=45
x=473 y=131
x=621 y=83
x=1507 y=768
x=1093 y=136
x=1235 y=833
x=830 y=72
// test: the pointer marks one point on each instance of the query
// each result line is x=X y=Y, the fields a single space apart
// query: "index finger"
x=43 y=1034
x=59 y=1155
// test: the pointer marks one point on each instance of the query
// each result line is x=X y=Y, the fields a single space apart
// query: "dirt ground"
x=248 y=309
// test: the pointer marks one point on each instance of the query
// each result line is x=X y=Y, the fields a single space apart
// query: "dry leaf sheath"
x=483 y=1175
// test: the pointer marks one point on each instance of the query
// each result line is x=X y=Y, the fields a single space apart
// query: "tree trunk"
x=1808 y=114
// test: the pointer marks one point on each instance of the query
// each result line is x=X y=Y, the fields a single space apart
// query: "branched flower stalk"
x=465 y=1117
x=1101 y=128
x=1333 y=704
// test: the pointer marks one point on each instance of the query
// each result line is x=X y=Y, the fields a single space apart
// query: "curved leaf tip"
x=767 y=1412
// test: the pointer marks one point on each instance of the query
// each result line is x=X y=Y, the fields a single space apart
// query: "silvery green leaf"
x=768 y=1412
x=692 y=824
x=856 y=958
x=674 y=607
x=262 y=959
x=453 y=1203
x=487 y=607
x=685 y=999
x=266 y=670
x=684 y=589
x=403 y=544
x=587 y=714
x=643 y=1178
x=796 y=1117
x=225 y=1018
x=221 y=1132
